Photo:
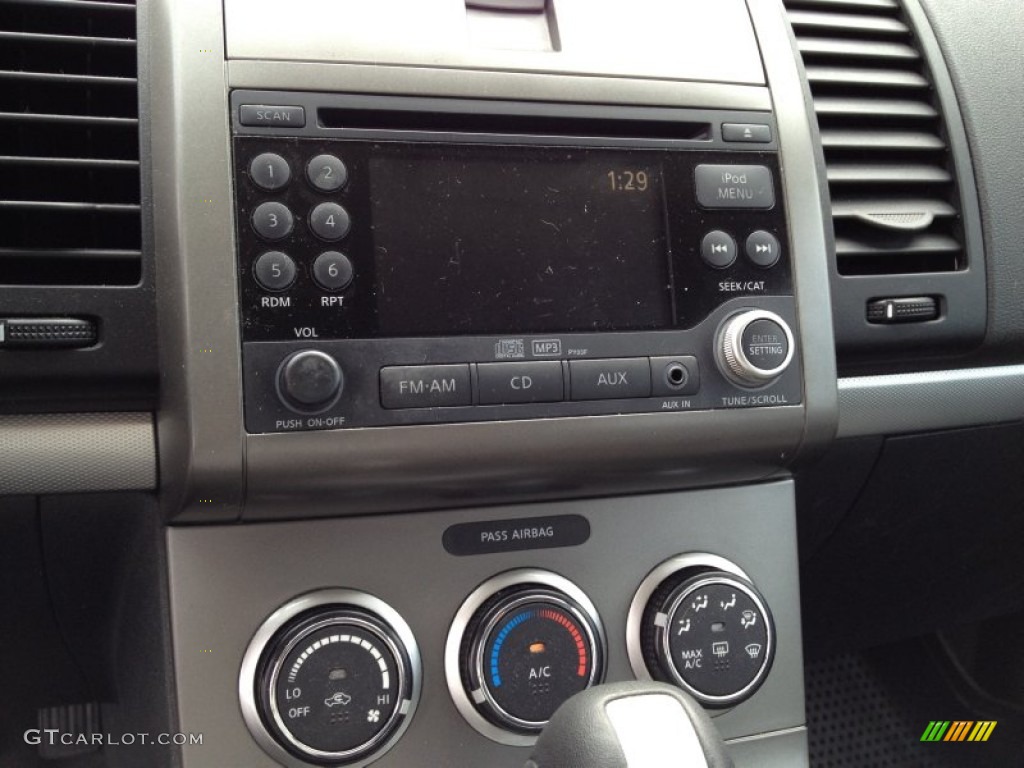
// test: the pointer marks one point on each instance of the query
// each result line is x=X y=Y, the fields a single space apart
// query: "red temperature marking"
x=581 y=647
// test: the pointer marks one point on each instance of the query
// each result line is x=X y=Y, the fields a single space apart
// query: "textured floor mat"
x=872 y=708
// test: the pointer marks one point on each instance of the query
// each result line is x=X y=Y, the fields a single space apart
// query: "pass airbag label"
x=514 y=535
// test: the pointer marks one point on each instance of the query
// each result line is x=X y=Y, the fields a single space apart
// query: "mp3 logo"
x=547 y=347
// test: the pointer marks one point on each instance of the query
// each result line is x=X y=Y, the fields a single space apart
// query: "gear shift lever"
x=630 y=725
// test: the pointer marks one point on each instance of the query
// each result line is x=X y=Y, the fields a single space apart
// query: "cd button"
x=520 y=382
x=610 y=379
x=425 y=386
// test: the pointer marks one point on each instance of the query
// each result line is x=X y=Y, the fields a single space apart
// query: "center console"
x=499 y=341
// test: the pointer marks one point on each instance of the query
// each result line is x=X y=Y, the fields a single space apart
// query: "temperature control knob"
x=527 y=647
x=754 y=347
x=310 y=381
x=710 y=633
x=335 y=684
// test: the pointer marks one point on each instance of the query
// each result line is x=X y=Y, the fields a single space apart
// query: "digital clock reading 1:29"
x=629 y=181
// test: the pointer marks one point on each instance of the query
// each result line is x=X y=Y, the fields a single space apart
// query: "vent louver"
x=69 y=143
x=895 y=204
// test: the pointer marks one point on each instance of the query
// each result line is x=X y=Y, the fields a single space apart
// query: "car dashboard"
x=378 y=375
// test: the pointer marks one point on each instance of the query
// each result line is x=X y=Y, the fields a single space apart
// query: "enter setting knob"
x=310 y=381
x=754 y=347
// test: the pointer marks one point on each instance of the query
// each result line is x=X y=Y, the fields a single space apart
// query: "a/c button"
x=520 y=382
x=610 y=379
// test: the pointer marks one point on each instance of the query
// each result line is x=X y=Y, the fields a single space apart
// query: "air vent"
x=69 y=143
x=894 y=197
x=904 y=206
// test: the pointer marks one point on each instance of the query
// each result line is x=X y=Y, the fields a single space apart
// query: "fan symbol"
x=373 y=716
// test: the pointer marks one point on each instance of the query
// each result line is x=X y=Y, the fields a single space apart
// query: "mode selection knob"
x=710 y=633
x=754 y=347
x=310 y=381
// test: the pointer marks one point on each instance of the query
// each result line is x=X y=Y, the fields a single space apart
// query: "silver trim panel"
x=200 y=418
x=648 y=38
x=920 y=402
x=803 y=182
x=521 y=86
x=77 y=453
x=400 y=558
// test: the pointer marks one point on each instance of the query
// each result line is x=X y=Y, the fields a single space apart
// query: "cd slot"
x=514 y=124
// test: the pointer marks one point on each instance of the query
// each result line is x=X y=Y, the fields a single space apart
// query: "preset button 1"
x=425 y=386
x=610 y=379
x=520 y=382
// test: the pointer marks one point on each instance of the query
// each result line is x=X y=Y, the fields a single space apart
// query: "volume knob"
x=754 y=347
x=309 y=381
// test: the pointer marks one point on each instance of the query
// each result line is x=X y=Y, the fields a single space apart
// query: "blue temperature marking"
x=500 y=640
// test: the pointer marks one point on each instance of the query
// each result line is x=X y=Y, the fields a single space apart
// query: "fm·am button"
x=425 y=386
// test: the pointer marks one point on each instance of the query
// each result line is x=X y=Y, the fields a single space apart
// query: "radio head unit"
x=403 y=262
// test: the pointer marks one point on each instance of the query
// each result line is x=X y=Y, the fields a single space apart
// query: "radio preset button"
x=272 y=221
x=332 y=270
x=734 y=186
x=274 y=271
x=269 y=171
x=763 y=249
x=610 y=379
x=718 y=249
x=327 y=173
x=425 y=386
x=329 y=221
x=520 y=382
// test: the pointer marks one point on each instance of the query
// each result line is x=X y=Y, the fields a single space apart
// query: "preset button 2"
x=425 y=386
x=610 y=379
x=520 y=382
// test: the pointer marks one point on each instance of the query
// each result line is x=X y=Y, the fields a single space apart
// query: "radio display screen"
x=481 y=239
